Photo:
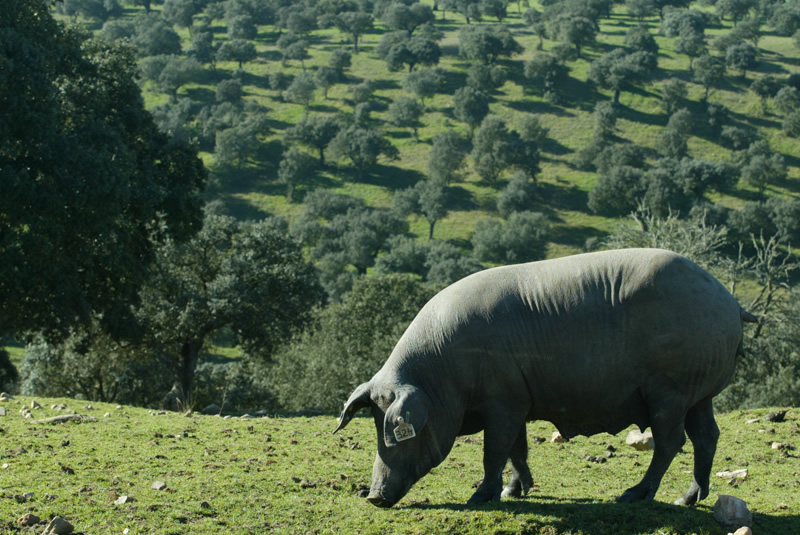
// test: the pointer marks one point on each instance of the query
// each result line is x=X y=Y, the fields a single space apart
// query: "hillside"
x=251 y=189
x=290 y=475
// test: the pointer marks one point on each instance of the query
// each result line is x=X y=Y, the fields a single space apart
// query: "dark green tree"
x=487 y=43
x=575 y=30
x=742 y=57
x=301 y=90
x=88 y=185
x=250 y=278
x=237 y=50
x=549 y=72
x=426 y=198
x=406 y=111
x=446 y=158
x=493 y=148
x=316 y=132
x=362 y=146
x=424 y=83
x=470 y=106
x=153 y=36
x=619 y=70
x=522 y=238
x=709 y=72
x=353 y=23
x=296 y=168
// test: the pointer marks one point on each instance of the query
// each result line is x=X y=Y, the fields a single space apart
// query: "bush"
x=236 y=386
x=320 y=368
x=520 y=239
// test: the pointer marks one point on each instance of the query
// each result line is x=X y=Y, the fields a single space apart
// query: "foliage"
x=426 y=197
x=8 y=372
x=362 y=146
x=521 y=238
x=88 y=185
x=487 y=43
x=470 y=106
x=315 y=131
x=446 y=159
x=296 y=168
x=349 y=343
x=250 y=278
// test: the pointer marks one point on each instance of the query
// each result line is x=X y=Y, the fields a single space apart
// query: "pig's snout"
x=377 y=500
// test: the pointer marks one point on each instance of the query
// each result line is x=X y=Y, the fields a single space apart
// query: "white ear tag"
x=403 y=431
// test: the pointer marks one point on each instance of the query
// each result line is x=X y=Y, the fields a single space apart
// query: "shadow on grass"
x=599 y=518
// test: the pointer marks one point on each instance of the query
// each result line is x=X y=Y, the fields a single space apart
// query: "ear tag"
x=403 y=431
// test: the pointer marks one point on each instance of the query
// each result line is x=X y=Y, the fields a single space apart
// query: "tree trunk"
x=321 y=156
x=430 y=229
x=190 y=352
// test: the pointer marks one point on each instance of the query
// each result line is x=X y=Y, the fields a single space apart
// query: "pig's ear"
x=406 y=416
x=358 y=400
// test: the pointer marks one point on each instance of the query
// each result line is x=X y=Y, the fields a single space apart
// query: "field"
x=290 y=475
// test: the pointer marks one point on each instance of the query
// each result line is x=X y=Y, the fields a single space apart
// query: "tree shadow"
x=389 y=177
x=241 y=209
x=460 y=198
x=592 y=517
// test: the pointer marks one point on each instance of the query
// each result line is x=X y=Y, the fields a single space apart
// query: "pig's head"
x=408 y=446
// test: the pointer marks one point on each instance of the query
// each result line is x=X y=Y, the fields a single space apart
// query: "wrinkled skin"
x=592 y=343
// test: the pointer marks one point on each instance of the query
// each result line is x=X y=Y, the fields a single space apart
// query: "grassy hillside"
x=290 y=475
x=252 y=191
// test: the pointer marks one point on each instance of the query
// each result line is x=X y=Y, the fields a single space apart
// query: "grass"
x=290 y=475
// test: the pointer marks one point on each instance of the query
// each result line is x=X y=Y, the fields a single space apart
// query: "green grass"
x=290 y=475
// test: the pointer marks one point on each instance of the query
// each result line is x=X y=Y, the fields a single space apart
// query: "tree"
x=672 y=142
x=786 y=18
x=340 y=60
x=295 y=168
x=536 y=21
x=250 y=278
x=761 y=166
x=350 y=340
x=522 y=238
x=239 y=142
x=446 y=157
x=362 y=146
x=229 y=91
x=640 y=9
x=325 y=78
x=353 y=23
x=692 y=44
x=493 y=148
x=765 y=87
x=493 y=8
x=787 y=99
x=406 y=111
x=316 y=131
x=237 y=50
x=517 y=196
x=619 y=70
x=153 y=36
x=399 y=16
x=424 y=83
x=301 y=90
x=486 y=43
x=639 y=39
x=180 y=12
x=203 y=48
x=427 y=198
x=549 y=71
x=575 y=30
x=470 y=106
x=735 y=9
x=616 y=192
x=708 y=72
x=741 y=56
x=170 y=73
x=100 y=10
x=673 y=92
x=88 y=185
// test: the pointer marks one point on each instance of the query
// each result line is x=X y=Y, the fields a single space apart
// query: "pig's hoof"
x=516 y=489
x=483 y=496
x=636 y=494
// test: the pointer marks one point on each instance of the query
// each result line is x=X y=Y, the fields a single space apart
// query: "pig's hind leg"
x=521 y=479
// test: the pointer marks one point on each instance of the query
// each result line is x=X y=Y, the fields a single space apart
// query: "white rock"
x=35 y=405
x=731 y=512
x=58 y=526
x=753 y=421
x=640 y=441
x=742 y=531
x=158 y=485
x=5 y=465
x=557 y=437
x=5 y=396
x=741 y=475
x=123 y=500
x=106 y=415
x=3 y=411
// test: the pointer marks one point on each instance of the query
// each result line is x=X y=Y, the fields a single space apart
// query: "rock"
x=205 y=505
x=158 y=485
x=741 y=475
x=122 y=500
x=89 y=407
x=731 y=512
x=742 y=531
x=35 y=405
x=557 y=437
x=640 y=441
x=776 y=416
x=65 y=418
x=211 y=410
x=28 y=519
x=58 y=526
x=5 y=396
x=24 y=498
x=3 y=411
x=106 y=415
